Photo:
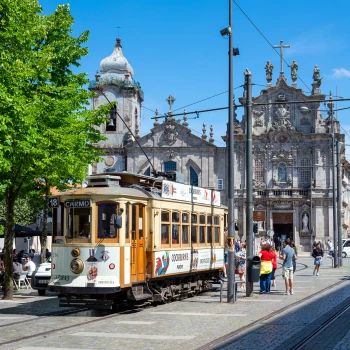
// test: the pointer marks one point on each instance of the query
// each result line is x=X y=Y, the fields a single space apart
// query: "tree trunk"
x=8 y=244
x=44 y=229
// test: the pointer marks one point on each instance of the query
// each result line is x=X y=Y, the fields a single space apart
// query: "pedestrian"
x=317 y=253
x=278 y=244
x=295 y=257
x=267 y=258
x=330 y=247
x=241 y=260
x=48 y=254
x=237 y=246
x=225 y=252
x=274 y=268
x=287 y=255
x=29 y=266
x=16 y=270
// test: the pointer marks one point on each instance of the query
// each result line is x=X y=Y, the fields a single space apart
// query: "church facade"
x=292 y=150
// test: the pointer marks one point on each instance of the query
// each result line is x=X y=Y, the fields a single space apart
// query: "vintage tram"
x=136 y=238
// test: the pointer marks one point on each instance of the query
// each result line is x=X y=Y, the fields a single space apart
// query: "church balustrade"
x=273 y=193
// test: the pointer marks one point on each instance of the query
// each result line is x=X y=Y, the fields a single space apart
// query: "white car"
x=41 y=277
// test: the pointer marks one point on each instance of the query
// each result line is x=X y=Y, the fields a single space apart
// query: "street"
x=33 y=322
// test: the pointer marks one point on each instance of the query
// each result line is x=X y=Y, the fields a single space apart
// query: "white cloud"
x=341 y=73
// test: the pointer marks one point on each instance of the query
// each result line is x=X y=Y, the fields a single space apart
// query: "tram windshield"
x=78 y=223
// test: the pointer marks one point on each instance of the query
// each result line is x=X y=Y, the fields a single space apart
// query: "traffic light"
x=255 y=227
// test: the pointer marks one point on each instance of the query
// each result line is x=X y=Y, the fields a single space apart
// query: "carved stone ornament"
x=170 y=154
x=282 y=205
x=170 y=134
x=282 y=138
x=282 y=155
x=282 y=118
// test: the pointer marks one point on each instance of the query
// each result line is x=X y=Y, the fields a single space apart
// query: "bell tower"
x=116 y=80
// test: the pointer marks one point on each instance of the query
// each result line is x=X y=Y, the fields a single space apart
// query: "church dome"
x=116 y=62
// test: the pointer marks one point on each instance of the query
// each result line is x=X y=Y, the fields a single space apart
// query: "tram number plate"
x=43 y=281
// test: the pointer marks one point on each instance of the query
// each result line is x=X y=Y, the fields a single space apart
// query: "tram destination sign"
x=188 y=193
x=77 y=203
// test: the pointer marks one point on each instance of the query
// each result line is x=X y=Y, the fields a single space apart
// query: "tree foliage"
x=46 y=131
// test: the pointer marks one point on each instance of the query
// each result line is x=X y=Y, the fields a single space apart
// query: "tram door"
x=137 y=258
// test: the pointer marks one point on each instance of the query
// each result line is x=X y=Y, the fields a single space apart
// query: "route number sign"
x=54 y=202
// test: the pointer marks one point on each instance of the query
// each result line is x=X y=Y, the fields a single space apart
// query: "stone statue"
x=316 y=76
x=269 y=69
x=305 y=223
x=294 y=70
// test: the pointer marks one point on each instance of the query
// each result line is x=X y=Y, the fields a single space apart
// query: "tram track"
x=230 y=337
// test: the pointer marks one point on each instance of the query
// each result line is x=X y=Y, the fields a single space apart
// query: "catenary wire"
x=268 y=42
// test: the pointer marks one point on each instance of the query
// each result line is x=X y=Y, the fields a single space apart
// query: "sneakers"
x=314 y=272
x=291 y=292
x=286 y=293
x=317 y=274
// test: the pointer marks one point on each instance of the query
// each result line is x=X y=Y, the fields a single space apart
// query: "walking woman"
x=317 y=253
x=274 y=267
x=267 y=257
x=295 y=257
x=241 y=264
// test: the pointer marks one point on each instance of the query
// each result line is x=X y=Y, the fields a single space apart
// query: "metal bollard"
x=221 y=288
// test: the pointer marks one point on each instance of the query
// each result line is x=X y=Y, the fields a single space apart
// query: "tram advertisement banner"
x=188 y=193
x=187 y=260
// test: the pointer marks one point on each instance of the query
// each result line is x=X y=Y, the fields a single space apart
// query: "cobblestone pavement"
x=190 y=323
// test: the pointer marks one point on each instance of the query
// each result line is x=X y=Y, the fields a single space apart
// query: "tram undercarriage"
x=157 y=290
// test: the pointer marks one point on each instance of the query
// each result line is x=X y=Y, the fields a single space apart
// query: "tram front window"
x=78 y=223
x=106 y=218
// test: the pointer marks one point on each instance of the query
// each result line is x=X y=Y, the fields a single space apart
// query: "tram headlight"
x=75 y=252
x=76 y=266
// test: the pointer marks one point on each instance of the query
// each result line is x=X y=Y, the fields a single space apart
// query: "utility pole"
x=335 y=237
x=249 y=176
x=339 y=206
x=231 y=183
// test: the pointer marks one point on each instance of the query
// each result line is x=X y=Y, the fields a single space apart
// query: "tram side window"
x=216 y=229
x=78 y=223
x=106 y=217
x=194 y=228
x=127 y=222
x=165 y=227
x=185 y=228
x=175 y=228
x=202 y=229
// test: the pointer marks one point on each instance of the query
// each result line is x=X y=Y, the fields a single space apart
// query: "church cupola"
x=116 y=63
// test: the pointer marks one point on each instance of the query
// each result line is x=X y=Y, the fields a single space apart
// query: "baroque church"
x=292 y=150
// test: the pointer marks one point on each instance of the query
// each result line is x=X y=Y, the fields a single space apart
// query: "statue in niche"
x=316 y=76
x=294 y=70
x=269 y=69
x=305 y=222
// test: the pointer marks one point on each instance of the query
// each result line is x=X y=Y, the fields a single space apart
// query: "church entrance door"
x=283 y=225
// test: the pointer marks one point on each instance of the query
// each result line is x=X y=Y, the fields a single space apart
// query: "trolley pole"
x=231 y=182
x=249 y=176
x=339 y=206
x=335 y=236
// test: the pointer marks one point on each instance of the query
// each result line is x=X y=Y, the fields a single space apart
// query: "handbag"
x=265 y=267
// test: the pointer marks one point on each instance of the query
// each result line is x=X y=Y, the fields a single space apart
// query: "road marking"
x=133 y=336
x=195 y=314
x=135 y=322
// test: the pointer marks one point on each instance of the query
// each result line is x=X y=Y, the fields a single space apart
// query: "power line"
x=268 y=41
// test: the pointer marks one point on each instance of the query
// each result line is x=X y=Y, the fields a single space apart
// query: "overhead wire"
x=268 y=41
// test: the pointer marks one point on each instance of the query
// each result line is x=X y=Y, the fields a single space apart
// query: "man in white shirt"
x=29 y=266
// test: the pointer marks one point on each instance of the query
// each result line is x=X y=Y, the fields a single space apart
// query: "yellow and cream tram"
x=135 y=238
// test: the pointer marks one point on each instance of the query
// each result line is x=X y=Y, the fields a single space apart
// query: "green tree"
x=45 y=127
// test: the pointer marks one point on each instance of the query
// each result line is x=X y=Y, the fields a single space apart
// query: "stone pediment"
x=171 y=134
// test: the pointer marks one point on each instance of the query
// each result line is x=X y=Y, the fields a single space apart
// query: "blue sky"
x=175 y=47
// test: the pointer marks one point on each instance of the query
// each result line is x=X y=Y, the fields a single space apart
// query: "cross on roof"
x=171 y=100
x=281 y=47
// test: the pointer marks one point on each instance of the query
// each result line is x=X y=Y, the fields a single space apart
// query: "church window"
x=305 y=172
x=259 y=170
x=282 y=172
x=193 y=177
x=147 y=172
x=168 y=166
x=220 y=184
